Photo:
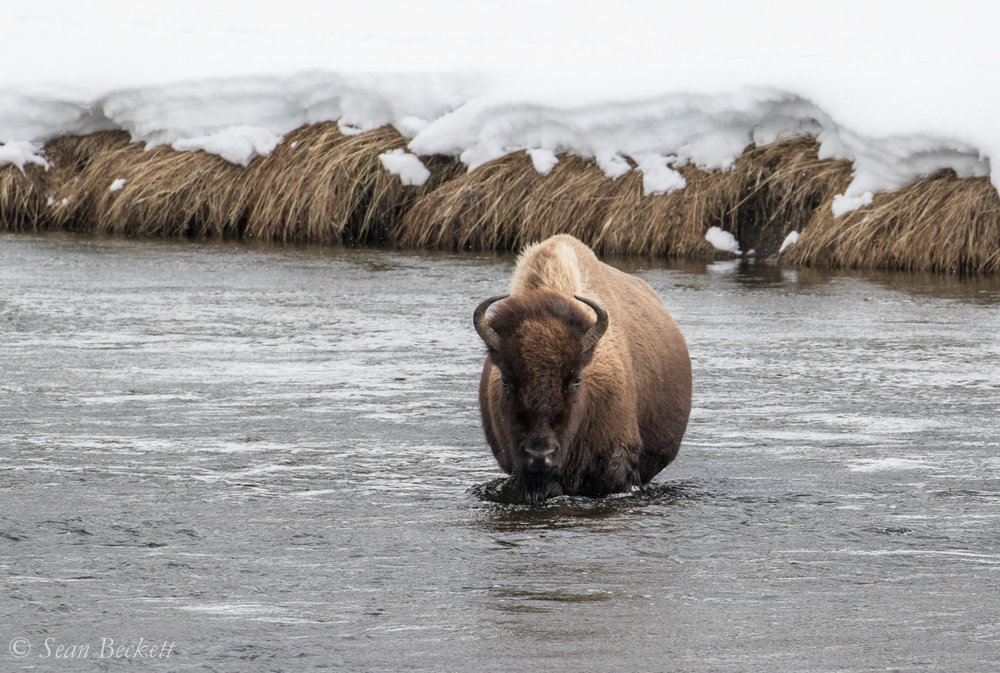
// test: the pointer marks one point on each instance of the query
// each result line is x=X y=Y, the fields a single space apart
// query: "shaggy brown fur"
x=563 y=418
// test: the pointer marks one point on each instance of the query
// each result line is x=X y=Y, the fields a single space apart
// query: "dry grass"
x=22 y=198
x=164 y=193
x=771 y=191
x=505 y=204
x=940 y=223
x=71 y=206
x=321 y=186
x=318 y=186
x=476 y=211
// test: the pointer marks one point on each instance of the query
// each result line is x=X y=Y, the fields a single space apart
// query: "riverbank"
x=322 y=186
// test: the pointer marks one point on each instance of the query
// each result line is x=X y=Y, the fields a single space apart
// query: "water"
x=232 y=458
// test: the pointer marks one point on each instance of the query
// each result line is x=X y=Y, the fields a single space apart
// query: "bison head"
x=541 y=343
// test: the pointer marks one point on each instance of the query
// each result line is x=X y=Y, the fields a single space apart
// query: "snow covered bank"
x=901 y=89
x=321 y=185
x=655 y=96
x=244 y=118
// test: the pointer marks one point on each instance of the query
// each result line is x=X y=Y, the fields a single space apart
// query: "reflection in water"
x=273 y=457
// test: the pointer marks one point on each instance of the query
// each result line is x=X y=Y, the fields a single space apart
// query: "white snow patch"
x=723 y=240
x=614 y=165
x=790 y=240
x=22 y=152
x=657 y=175
x=543 y=160
x=408 y=167
x=842 y=203
x=236 y=144
x=117 y=185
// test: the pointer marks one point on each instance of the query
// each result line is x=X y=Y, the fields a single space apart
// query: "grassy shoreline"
x=321 y=186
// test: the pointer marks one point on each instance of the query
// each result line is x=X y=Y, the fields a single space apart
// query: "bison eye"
x=574 y=384
x=508 y=387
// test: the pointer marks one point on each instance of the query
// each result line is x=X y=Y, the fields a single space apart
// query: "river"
x=228 y=457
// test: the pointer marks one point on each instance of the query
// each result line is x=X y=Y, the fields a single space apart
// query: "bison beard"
x=586 y=388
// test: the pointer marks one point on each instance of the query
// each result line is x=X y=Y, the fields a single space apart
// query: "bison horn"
x=488 y=334
x=598 y=329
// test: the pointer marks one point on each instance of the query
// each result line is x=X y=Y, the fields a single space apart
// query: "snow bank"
x=899 y=88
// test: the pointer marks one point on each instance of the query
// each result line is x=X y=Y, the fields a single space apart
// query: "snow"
x=22 y=152
x=902 y=89
x=722 y=240
x=543 y=160
x=237 y=144
x=657 y=175
x=843 y=203
x=117 y=185
x=408 y=167
x=790 y=240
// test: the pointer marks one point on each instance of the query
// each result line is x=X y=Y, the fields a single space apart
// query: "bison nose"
x=539 y=453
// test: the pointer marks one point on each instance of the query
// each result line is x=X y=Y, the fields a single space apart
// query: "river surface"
x=220 y=457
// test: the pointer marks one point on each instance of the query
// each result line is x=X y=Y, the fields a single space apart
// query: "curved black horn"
x=487 y=333
x=598 y=329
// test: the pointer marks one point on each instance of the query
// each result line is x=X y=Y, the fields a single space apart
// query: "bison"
x=586 y=389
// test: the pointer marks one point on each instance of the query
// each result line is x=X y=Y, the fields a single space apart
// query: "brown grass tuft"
x=771 y=191
x=476 y=211
x=940 y=223
x=75 y=153
x=321 y=186
x=22 y=198
x=674 y=225
x=166 y=193
x=505 y=204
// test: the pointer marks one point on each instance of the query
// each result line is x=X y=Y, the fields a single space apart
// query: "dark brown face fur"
x=541 y=362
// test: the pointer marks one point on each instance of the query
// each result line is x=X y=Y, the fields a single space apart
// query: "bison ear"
x=487 y=333
x=598 y=329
